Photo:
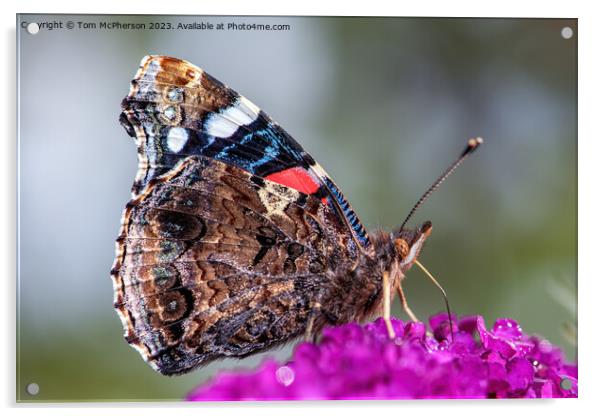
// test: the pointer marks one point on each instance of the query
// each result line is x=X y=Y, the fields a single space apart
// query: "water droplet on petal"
x=545 y=346
x=285 y=375
x=508 y=329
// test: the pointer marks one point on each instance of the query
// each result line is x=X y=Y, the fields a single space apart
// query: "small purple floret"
x=361 y=362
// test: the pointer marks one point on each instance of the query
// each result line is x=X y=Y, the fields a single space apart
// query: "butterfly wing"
x=233 y=232
x=175 y=109
x=215 y=262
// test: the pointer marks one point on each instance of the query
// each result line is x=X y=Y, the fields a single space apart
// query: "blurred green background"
x=384 y=104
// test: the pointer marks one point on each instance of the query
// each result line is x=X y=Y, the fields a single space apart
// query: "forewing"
x=175 y=110
x=213 y=261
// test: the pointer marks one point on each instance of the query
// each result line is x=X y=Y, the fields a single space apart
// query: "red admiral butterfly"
x=235 y=239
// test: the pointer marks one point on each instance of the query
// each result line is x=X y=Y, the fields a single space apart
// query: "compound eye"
x=402 y=247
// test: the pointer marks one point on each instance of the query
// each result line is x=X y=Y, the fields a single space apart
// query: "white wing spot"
x=228 y=120
x=176 y=139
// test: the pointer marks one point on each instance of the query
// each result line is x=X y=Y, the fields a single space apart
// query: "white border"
x=590 y=94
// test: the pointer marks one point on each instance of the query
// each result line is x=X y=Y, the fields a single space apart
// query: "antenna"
x=472 y=145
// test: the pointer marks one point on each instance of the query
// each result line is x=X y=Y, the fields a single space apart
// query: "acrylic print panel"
x=240 y=271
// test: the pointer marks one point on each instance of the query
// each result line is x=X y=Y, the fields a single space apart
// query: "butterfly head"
x=408 y=243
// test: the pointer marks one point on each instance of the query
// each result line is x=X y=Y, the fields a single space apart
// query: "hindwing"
x=213 y=261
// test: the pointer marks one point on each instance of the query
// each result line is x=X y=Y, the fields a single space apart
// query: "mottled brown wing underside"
x=215 y=262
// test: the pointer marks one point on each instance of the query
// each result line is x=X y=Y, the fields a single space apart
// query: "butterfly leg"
x=313 y=313
x=387 y=305
x=404 y=303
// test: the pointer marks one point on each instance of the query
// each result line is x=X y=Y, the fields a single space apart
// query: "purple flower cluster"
x=361 y=362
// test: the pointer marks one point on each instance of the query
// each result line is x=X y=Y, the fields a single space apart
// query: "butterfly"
x=235 y=239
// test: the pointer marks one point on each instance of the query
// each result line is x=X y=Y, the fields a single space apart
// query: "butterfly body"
x=235 y=239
